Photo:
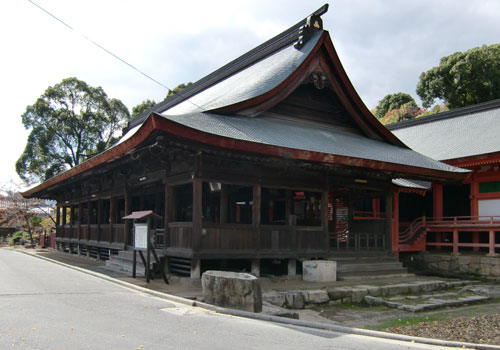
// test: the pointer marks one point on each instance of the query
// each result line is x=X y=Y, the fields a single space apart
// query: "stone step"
x=299 y=299
x=123 y=261
x=359 y=254
x=116 y=266
x=362 y=259
x=381 y=266
x=424 y=302
x=380 y=275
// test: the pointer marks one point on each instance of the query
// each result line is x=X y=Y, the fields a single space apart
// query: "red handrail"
x=414 y=231
x=419 y=226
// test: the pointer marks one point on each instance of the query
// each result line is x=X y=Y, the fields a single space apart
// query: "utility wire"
x=111 y=53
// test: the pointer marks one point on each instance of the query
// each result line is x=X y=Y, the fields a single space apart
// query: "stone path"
x=300 y=299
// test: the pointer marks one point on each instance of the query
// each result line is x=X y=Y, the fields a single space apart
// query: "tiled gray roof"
x=255 y=80
x=454 y=135
x=421 y=185
x=306 y=136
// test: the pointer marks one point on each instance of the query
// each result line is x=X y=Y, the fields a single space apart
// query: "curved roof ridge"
x=279 y=41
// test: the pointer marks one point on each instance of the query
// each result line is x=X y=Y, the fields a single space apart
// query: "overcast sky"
x=384 y=45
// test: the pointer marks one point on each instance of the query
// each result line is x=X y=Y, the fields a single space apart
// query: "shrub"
x=19 y=237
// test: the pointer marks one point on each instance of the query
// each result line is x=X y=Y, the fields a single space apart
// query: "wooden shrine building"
x=272 y=157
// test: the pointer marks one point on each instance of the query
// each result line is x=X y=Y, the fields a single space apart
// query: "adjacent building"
x=462 y=216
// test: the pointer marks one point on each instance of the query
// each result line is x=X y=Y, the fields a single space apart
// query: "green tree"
x=142 y=107
x=394 y=101
x=463 y=78
x=68 y=124
x=177 y=89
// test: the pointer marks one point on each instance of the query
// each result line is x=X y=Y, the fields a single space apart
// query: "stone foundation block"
x=278 y=299
x=315 y=296
x=358 y=294
x=339 y=293
x=295 y=300
x=234 y=290
x=319 y=271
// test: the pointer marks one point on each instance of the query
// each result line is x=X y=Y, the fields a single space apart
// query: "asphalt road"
x=48 y=306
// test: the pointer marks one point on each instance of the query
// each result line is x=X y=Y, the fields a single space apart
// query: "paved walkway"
x=319 y=319
x=184 y=287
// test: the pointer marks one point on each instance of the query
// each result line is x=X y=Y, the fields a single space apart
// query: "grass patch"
x=360 y=306
x=409 y=321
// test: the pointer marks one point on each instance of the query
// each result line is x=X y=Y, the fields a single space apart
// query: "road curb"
x=269 y=318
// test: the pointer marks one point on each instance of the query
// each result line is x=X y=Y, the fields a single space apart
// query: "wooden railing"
x=275 y=237
x=118 y=233
x=94 y=232
x=453 y=225
x=368 y=215
x=101 y=233
x=180 y=234
x=239 y=237
x=413 y=232
x=227 y=237
x=310 y=238
x=357 y=241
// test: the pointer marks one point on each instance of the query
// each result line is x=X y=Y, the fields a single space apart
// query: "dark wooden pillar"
x=128 y=210
x=197 y=213
x=99 y=218
x=197 y=226
x=141 y=203
x=158 y=200
x=223 y=203
x=80 y=218
x=64 y=215
x=58 y=216
x=71 y=214
x=112 y=217
x=89 y=217
x=168 y=215
x=324 y=218
x=256 y=215
x=388 y=219
x=288 y=203
x=71 y=221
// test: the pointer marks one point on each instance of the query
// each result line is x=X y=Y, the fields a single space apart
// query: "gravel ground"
x=483 y=329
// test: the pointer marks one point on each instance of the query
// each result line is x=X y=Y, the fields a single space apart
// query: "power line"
x=110 y=53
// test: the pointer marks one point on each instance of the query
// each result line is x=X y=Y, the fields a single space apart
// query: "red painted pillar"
x=395 y=223
x=437 y=208
x=437 y=201
x=474 y=209
x=474 y=203
x=475 y=240
x=376 y=207
x=492 y=243
x=455 y=241
x=53 y=240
